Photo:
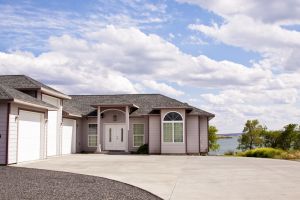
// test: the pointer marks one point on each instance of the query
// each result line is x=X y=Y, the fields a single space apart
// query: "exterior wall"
x=39 y=94
x=171 y=148
x=203 y=134
x=192 y=128
x=84 y=134
x=3 y=132
x=154 y=134
x=137 y=120
x=13 y=132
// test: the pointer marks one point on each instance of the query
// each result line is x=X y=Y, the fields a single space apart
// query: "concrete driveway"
x=189 y=177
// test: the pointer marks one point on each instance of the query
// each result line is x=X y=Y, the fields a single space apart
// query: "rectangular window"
x=138 y=135
x=178 y=132
x=92 y=135
x=172 y=132
x=168 y=132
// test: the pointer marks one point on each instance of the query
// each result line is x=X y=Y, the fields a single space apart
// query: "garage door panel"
x=29 y=135
x=68 y=136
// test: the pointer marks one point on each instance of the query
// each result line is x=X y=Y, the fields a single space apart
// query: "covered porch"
x=112 y=126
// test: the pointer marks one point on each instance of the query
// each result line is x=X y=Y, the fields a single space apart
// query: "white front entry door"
x=115 y=137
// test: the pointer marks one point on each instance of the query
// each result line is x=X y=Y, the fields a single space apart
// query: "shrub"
x=143 y=149
x=262 y=153
x=292 y=155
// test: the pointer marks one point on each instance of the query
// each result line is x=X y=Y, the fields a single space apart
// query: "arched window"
x=173 y=128
x=173 y=116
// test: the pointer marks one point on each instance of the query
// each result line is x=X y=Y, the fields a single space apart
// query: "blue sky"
x=231 y=58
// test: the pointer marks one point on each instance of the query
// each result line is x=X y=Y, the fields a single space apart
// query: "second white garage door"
x=68 y=136
x=30 y=131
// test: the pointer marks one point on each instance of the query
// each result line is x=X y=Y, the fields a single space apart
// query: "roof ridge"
x=113 y=94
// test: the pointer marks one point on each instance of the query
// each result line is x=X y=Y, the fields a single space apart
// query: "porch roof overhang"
x=69 y=114
x=132 y=107
x=115 y=105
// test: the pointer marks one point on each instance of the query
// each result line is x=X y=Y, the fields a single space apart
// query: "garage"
x=30 y=130
x=68 y=136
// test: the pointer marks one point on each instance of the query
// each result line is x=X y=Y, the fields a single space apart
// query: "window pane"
x=138 y=129
x=92 y=135
x=138 y=141
x=168 y=135
x=178 y=132
x=92 y=141
x=138 y=135
x=92 y=129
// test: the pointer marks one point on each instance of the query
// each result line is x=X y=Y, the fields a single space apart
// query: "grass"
x=270 y=153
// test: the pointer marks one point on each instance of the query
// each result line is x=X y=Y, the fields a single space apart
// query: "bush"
x=143 y=149
x=229 y=153
x=292 y=155
x=263 y=153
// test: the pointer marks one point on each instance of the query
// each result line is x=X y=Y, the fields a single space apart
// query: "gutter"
x=33 y=105
x=53 y=93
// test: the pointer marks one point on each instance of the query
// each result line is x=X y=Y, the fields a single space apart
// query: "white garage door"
x=29 y=135
x=68 y=136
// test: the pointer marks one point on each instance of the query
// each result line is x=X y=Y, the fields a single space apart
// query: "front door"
x=115 y=137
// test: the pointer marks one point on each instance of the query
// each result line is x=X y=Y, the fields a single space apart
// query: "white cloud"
x=276 y=11
x=162 y=88
x=126 y=60
x=128 y=52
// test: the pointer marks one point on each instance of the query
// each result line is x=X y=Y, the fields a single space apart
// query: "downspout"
x=7 y=131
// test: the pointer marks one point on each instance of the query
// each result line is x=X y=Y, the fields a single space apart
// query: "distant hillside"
x=230 y=134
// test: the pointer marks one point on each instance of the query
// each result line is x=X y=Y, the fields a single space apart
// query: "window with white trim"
x=138 y=135
x=173 y=128
x=92 y=135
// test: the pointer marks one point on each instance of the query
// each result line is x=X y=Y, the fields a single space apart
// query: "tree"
x=270 y=138
x=287 y=137
x=212 y=138
x=297 y=141
x=252 y=135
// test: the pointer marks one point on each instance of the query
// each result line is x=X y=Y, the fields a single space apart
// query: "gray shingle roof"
x=10 y=94
x=81 y=104
x=23 y=82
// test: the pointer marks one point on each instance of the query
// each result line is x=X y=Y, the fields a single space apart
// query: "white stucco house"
x=37 y=122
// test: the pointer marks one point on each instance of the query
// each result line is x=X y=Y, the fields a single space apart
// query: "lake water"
x=226 y=144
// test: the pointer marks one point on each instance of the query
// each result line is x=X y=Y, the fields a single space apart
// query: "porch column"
x=98 y=129
x=127 y=126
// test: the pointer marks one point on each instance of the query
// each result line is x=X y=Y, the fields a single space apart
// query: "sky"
x=237 y=59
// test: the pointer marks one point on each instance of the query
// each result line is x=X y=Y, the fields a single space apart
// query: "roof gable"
x=20 y=82
x=11 y=94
